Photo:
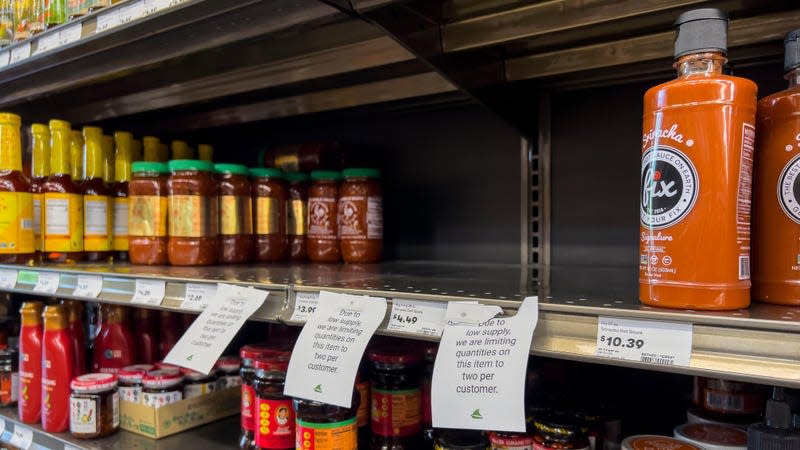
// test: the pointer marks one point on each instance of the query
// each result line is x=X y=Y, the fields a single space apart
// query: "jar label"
x=296 y=212
x=16 y=223
x=63 y=222
x=55 y=393
x=327 y=436
x=232 y=381
x=9 y=387
x=235 y=215
x=248 y=405
x=197 y=389
x=131 y=394
x=322 y=212
x=374 y=218
x=37 y=221
x=159 y=399
x=97 y=220
x=83 y=415
x=121 y=224
x=361 y=217
x=514 y=442
x=192 y=216
x=396 y=413
x=267 y=215
x=362 y=415
x=733 y=402
x=148 y=215
x=275 y=423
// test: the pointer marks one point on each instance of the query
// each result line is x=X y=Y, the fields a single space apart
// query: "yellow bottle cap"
x=31 y=313
x=57 y=124
x=94 y=132
x=56 y=317
x=10 y=118
x=40 y=128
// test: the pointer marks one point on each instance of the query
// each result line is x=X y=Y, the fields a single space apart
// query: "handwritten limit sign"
x=329 y=349
x=479 y=375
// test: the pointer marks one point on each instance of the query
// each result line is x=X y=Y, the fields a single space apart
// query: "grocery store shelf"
x=222 y=434
x=759 y=344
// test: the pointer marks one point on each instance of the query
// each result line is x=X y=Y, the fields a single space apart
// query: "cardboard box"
x=180 y=416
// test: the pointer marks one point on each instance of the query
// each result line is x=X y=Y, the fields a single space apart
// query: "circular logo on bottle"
x=789 y=189
x=669 y=187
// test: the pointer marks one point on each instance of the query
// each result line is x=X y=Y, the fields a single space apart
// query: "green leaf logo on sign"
x=476 y=414
x=318 y=388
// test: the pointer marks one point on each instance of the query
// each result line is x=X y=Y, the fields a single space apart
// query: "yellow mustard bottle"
x=63 y=202
x=122 y=175
x=16 y=203
x=97 y=200
x=40 y=169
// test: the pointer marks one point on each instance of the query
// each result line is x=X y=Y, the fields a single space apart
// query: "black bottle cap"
x=701 y=30
x=791 y=55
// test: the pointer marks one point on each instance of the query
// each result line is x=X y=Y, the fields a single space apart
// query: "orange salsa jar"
x=361 y=216
x=269 y=205
x=323 y=232
x=147 y=218
x=235 y=214
x=193 y=215
x=297 y=213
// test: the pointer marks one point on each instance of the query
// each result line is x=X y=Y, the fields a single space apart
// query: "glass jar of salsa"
x=162 y=387
x=361 y=216
x=320 y=424
x=297 y=212
x=323 y=231
x=559 y=432
x=17 y=239
x=396 y=388
x=193 y=215
x=94 y=406
x=274 y=412
x=235 y=214
x=147 y=221
x=269 y=203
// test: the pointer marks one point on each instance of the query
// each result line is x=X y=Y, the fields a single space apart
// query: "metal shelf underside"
x=759 y=344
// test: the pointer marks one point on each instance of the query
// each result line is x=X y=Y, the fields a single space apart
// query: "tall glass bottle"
x=63 y=202
x=30 y=363
x=16 y=203
x=57 y=369
x=97 y=200
x=181 y=150
x=136 y=150
x=22 y=14
x=56 y=13
x=776 y=198
x=122 y=175
x=696 y=178
x=77 y=334
x=107 y=143
x=40 y=155
x=76 y=155
x=152 y=149
x=145 y=324
x=114 y=347
x=6 y=22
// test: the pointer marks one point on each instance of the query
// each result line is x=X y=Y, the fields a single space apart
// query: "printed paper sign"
x=649 y=341
x=327 y=354
x=149 y=292
x=479 y=375
x=22 y=437
x=212 y=331
x=47 y=283
x=8 y=279
x=88 y=286
x=198 y=296
x=417 y=317
x=305 y=303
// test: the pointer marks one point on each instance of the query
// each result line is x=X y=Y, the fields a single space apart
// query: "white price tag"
x=305 y=303
x=22 y=437
x=149 y=292
x=70 y=34
x=20 y=53
x=8 y=278
x=48 y=282
x=107 y=20
x=4 y=58
x=2 y=426
x=417 y=317
x=198 y=296
x=88 y=286
x=649 y=341
x=131 y=11
x=154 y=6
x=47 y=42
x=208 y=336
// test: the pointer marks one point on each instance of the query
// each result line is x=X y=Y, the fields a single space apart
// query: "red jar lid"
x=162 y=378
x=255 y=351
x=94 y=383
x=395 y=356
x=273 y=364
x=194 y=375
x=134 y=373
x=228 y=364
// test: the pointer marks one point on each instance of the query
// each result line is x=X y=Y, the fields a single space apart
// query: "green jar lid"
x=235 y=169
x=266 y=172
x=147 y=166
x=361 y=173
x=326 y=175
x=296 y=177
x=190 y=164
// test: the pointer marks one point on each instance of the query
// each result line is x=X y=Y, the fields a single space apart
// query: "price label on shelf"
x=8 y=278
x=47 y=42
x=149 y=292
x=47 y=283
x=198 y=296
x=88 y=286
x=305 y=304
x=131 y=11
x=20 y=53
x=417 y=317
x=154 y=6
x=2 y=425
x=4 y=58
x=22 y=437
x=107 y=20
x=70 y=34
x=648 y=341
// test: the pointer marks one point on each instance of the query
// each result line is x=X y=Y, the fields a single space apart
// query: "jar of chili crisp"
x=321 y=424
x=162 y=387
x=396 y=398
x=94 y=406
x=274 y=412
x=130 y=381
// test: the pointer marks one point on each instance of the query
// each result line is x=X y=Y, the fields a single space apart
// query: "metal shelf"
x=222 y=434
x=759 y=344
